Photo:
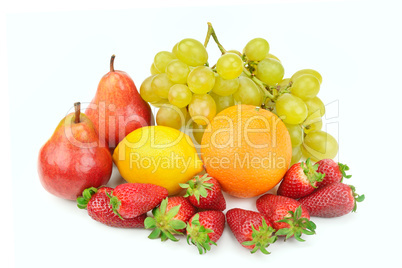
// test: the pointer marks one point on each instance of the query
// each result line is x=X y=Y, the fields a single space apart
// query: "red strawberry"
x=300 y=180
x=205 y=193
x=251 y=229
x=287 y=215
x=97 y=202
x=170 y=218
x=334 y=172
x=205 y=228
x=333 y=200
x=129 y=200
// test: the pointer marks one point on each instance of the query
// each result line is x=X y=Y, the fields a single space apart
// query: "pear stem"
x=77 y=107
x=111 y=63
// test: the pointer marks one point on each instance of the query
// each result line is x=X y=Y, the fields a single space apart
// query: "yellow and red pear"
x=117 y=108
x=72 y=160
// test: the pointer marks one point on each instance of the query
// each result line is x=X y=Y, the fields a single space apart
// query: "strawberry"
x=96 y=202
x=333 y=200
x=129 y=200
x=287 y=215
x=334 y=172
x=170 y=218
x=300 y=180
x=205 y=228
x=251 y=229
x=205 y=193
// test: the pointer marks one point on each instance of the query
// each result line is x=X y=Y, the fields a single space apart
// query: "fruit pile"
x=253 y=127
x=189 y=93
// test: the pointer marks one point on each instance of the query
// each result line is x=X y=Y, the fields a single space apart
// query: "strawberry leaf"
x=178 y=224
x=156 y=212
x=197 y=234
x=149 y=223
x=172 y=212
x=170 y=236
x=163 y=206
x=164 y=223
x=343 y=168
x=115 y=204
x=311 y=173
x=197 y=187
x=83 y=200
x=261 y=238
x=357 y=197
x=263 y=250
x=155 y=233
x=297 y=225
x=184 y=185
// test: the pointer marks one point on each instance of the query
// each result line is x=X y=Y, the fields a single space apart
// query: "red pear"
x=72 y=160
x=117 y=108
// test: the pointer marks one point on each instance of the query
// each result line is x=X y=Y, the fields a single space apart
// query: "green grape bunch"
x=189 y=93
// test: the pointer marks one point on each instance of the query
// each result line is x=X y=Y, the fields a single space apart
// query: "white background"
x=53 y=55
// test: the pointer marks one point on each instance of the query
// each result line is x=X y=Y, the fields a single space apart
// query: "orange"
x=247 y=149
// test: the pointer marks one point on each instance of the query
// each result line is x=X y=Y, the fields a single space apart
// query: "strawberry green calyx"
x=83 y=200
x=357 y=197
x=311 y=172
x=197 y=186
x=115 y=204
x=343 y=168
x=297 y=225
x=163 y=222
x=198 y=235
x=262 y=238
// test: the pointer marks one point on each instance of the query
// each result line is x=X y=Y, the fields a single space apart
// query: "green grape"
x=171 y=116
x=162 y=59
x=191 y=52
x=179 y=95
x=177 y=71
x=296 y=134
x=174 y=49
x=305 y=86
x=319 y=145
x=270 y=56
x=284 y=83
x=315 y=104
x=296 y=155
x=291 y=109
x=225 y=87
x=256 y=49
x=229 y=66
x=312 y=122
x=270 y=71
x=198 y=132
x=146 y=91
x=235 y=52
x=307 y=71
x=161 y=85
x=248 y=92
x=243 y=74
x=222 y=102
x=201 y=80
x=202 y=109
x=160 y=103
x=154 y=70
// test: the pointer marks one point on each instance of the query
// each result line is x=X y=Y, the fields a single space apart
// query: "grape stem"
x=265 y=88
x=260 y=84
x=211 y=32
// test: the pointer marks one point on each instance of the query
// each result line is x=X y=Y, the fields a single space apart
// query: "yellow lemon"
x=159 y=155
